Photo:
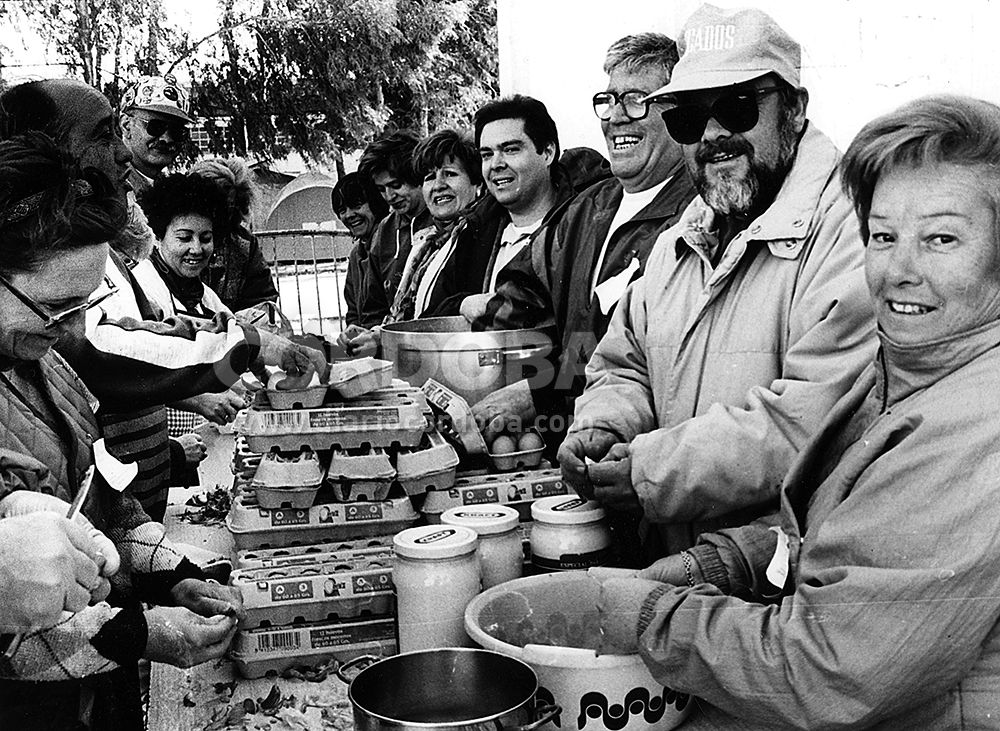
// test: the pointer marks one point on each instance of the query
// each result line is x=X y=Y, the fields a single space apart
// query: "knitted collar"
x=188 y=290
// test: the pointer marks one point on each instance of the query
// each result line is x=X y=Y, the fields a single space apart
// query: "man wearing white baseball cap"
x=751 y=319
x=155 y=121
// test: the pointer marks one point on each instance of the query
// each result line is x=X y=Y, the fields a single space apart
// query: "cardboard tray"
x=355 y=378
x=259 y=652
x=345 y=589
x=525 y=459
x=264 y=557
x=270 y=559
x=517 y=489
x=362 y=476
x=459 y=416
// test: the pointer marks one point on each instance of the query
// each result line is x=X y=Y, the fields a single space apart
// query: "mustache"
x=726 y=146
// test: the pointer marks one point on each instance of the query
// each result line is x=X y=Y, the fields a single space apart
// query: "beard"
x=733 y=193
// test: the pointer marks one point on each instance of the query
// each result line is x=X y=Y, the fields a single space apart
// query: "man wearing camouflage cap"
x=752 y=318
x=155 y=120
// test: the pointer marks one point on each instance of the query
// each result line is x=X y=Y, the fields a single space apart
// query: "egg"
x=503 y=444
x=528 y=441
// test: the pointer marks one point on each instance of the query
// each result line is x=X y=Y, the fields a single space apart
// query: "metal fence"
x=309 y=267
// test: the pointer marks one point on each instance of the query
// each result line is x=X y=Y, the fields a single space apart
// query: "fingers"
x=77 y=597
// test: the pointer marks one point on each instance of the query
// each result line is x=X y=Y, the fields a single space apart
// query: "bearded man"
x=751 y=318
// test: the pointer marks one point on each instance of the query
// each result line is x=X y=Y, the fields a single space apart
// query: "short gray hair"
x=641 y=51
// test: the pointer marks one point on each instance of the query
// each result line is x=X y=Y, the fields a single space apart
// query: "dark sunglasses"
x=631 y=102
x=736 y=111
x=55 y=319
x=159 y=127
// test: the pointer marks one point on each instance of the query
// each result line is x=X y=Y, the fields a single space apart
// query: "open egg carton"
x=454 y=417
x=259 y=652
x=281 y=396
x=313 y=552
x=523 y=453
x=429 y=466
x=516 y=489
x=287 y=481
x=245 y=461
x=354 y=378
x=343 y=589
x=360 y=474
x=342 y=426
x=254 y=527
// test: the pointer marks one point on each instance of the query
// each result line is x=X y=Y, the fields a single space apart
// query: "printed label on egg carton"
x=458 y=422
x=518 y=489
x=257 y=652
x=264 y=557
x=254 y=527
x=317 y=592
x=363 y=423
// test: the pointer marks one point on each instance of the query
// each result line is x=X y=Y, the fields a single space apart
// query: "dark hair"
x=942 y=128
x=184 y=194
x=538 y=125
x=48 y=205
x=391 y=154
x=354 y=190
x=432 y=152
x=642 y=51
x=30 y=107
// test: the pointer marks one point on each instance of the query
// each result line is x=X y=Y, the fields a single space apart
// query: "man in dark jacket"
x=574 y=272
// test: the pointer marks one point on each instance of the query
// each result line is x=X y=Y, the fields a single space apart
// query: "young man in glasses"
x=751 y=319
x=574 y=276
x=155 y=125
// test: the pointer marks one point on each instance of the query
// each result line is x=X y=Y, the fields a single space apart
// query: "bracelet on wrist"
x=688 y=562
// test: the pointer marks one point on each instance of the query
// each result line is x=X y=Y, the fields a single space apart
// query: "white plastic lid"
x=566 y=510
x=487 y=519
x=435 y=541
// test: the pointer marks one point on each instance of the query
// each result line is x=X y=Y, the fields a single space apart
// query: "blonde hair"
x=233 y=175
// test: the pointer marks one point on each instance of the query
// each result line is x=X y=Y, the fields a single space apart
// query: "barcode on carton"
x=278 y=641
x=282 y=419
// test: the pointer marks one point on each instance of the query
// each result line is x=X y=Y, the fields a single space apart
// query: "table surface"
x=187 y=700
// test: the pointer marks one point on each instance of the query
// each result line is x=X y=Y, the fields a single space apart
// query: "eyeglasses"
x=58 y=318
x=631 y=102
x=736 y=111
x=158 y=127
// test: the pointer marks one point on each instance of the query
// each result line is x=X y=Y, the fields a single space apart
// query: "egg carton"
x=259 y=652
x=312 y=552
x=348 y=588
x=360 y=424
x=517 y=489
x=362 y=475
x=379 y=554
x=245 y=461
x=287 y=482
x=429 y=466
x=355 y=378
x=457 y=422
x=255 y=527
x=524 y=459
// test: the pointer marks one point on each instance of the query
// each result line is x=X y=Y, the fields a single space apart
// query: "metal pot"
x=473 y=364
x=450 y=689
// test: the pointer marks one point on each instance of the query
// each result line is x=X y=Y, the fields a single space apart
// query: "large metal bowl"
x=473 y=364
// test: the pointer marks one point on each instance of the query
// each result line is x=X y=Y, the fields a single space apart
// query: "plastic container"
x=429 y=466
x=524 y=459
x=436 y=573
x=348 y=588
x=254 y=527
x=355 y=378
x=517 y=489
x=501 y=556
x=550 y=621
x=259 y=652
x=359 y=424
x=364 y=475
x=569 y=533
x=287 y=482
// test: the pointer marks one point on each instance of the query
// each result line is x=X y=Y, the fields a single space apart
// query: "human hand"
x=177 y=636
x=669 y=570
x=208 y=598
x=474 y=306
x=612 y=480
x=293 y=358
x=574 y=451
x=48 y=565
x=194 y=448
x=359 y=341
x=510 y=408
x=218 y=408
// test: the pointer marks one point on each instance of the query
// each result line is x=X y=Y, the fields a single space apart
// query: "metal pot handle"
x=547 y=713
x=351 y=664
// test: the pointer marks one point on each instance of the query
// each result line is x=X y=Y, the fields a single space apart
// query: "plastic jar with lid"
x=568 y=533
x=501 y=557
x=435 y=573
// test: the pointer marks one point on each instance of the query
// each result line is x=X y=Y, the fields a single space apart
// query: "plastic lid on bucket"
x=435 y=541
x=566 y=510
x=488 y=519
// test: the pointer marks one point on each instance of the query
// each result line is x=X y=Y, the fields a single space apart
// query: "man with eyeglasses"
x=751 y=318
x=575 y=274
x=155 y=125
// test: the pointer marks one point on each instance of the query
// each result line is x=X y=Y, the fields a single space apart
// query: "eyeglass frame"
x=619 y=100
x=179 y=130
x=757 y=95
x=56 y=319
